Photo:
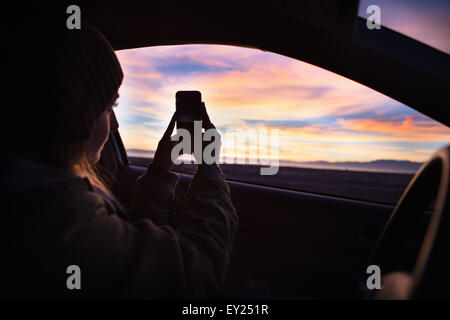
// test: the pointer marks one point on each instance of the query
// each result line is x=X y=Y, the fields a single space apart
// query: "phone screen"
x=188 y=104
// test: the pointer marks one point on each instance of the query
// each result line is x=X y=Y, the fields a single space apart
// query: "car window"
x=318 y=131
x=425 y=21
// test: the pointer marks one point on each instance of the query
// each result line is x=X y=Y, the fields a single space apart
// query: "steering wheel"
x=424 y=273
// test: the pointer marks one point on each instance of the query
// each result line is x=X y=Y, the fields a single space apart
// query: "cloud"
x=320 y=115
x=399 y=127
x=278 y=123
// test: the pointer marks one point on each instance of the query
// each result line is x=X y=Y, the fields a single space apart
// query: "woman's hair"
x=62 y=81
x=75 y=158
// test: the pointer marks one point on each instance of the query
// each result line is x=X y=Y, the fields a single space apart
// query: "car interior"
x=293 y=244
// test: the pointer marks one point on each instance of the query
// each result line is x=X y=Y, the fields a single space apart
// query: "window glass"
x=426 y=21
x=334 y=136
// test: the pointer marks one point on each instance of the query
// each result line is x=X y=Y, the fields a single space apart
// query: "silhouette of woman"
x=62 y=214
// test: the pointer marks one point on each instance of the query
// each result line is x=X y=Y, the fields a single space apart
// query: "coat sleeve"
x=154 y=196
x=142 y=259
x=209 y=217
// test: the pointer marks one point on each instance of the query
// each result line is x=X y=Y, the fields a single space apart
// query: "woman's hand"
x=207 y=124
x=162 y=158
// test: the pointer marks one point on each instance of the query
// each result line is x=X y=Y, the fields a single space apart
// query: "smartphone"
x=188 y=107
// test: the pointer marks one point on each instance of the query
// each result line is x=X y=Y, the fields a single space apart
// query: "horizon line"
x=312 y=161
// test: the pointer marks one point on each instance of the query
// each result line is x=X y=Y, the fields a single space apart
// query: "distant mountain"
x=376 y=165
x=140 y=153
x=384 y=165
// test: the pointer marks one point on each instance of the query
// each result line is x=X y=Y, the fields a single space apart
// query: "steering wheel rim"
x=430 y=182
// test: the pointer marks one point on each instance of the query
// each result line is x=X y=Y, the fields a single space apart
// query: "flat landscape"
x=384 y=187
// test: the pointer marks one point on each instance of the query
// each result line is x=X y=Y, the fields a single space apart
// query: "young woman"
x=61 y=214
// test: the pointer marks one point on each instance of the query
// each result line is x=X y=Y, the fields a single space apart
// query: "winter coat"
x=56 y=220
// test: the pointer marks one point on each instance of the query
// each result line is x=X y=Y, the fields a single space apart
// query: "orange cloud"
x=406 y=128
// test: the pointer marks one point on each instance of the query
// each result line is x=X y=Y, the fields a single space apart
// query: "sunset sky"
x=424 y=20
x=319 y=115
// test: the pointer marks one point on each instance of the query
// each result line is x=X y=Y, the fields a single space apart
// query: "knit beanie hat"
x=65 y=80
